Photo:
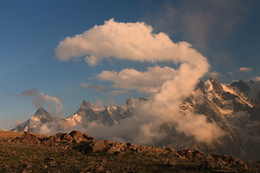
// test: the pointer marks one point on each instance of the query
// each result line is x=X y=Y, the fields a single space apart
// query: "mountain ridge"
x=226 y=105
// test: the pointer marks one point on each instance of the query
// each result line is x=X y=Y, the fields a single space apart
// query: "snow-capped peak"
x=41 y=115
x=222 y=104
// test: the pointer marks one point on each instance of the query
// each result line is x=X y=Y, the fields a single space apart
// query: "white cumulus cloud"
x=148 y=81
x=167 y=86
x=134 y=41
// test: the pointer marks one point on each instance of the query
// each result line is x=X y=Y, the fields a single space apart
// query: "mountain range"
x=233 y=107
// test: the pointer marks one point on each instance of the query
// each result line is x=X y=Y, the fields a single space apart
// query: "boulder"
x=76 y=134
x=86 y=136
x=28 y=138
x=98 y=146
x=114 y=150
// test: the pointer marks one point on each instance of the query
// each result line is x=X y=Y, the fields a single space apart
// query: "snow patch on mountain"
x=226 y=105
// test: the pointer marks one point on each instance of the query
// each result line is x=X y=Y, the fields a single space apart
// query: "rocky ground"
x=77 y=152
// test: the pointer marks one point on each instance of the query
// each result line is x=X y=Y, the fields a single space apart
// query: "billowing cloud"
x=245 y=69
x=96 y=87
x=134 y=41
x=40 y=99
x=149 y=81
x=167 y=86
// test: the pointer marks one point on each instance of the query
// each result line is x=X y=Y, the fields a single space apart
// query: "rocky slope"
x=251 y=88
x=232 y=110
x=229 y=106
x=39 y=122
x=77 y=152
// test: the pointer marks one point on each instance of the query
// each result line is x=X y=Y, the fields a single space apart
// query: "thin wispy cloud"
x=41 y=99
x=101 y=88
x=96 y=87
x=240 y=70
x=214 y=74
x=245 y=69
x=257 y=78
x=118 y=92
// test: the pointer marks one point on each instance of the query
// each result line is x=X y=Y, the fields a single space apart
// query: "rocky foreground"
x=77 y=152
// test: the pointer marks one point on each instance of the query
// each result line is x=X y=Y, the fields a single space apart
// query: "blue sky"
x=226 y=32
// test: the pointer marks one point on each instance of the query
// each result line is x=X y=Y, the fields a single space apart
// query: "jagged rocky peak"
x=87 y=109
x=216 y=85
x=87 y=105
x=41 y=113
x=209 y=85
x=200 y=85
x=40 y=117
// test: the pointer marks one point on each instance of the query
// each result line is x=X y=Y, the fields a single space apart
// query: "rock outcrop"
x=170 y=157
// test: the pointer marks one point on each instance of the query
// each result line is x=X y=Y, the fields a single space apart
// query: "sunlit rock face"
x=233 y=110
x=40 y=117
x=229 y=106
